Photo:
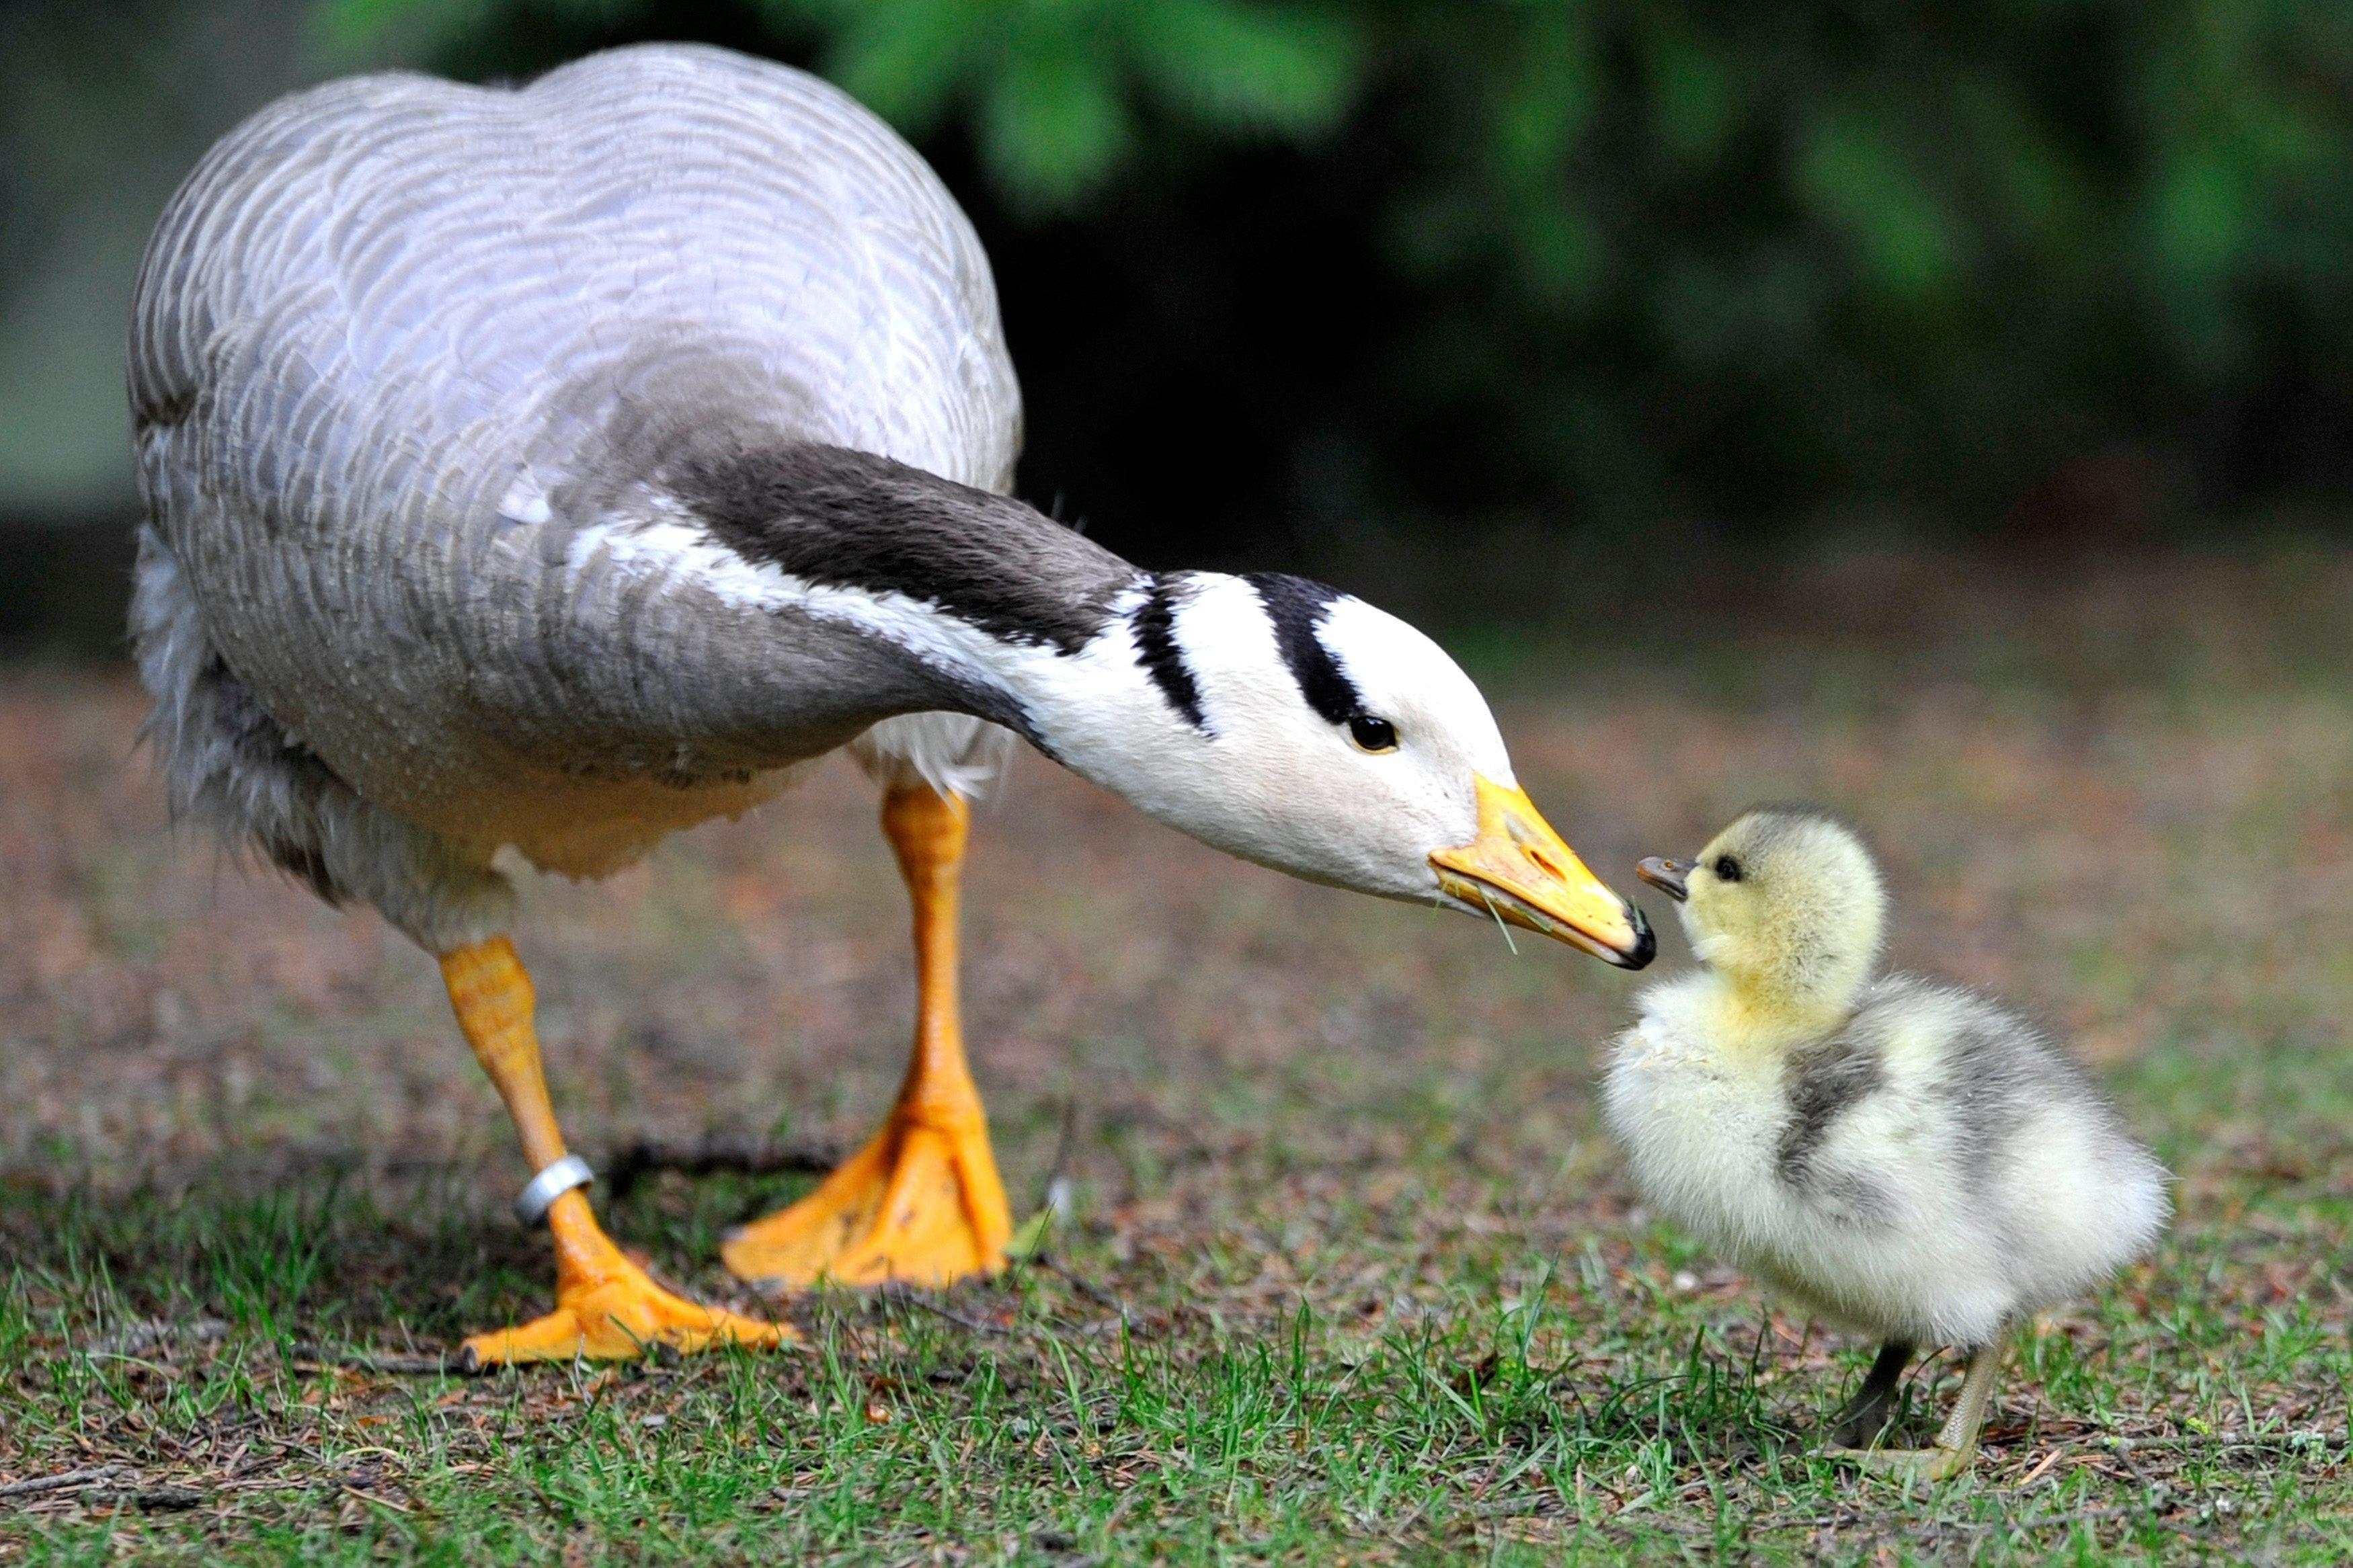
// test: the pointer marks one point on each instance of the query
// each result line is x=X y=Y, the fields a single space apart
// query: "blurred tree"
x=1278 y=259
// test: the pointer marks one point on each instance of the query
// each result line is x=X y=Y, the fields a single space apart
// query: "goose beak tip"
x=1519 y=871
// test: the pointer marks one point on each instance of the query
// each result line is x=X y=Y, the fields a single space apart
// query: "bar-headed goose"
x=557 y=468
x=1913 y=1160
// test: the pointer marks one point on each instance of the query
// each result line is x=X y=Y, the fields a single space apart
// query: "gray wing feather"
x=396 y=335
x=400 y=256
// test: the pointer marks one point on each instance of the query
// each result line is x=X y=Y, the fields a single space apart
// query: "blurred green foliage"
x=1737 y=252
x=1054 y=88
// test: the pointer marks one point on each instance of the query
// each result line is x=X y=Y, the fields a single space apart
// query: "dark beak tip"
x=1646 y=945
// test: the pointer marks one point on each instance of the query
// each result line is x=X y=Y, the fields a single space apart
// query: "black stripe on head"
x=1297 y=606
x=1156 y=650
x=841 y=519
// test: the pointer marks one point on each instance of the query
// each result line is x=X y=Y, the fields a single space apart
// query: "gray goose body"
x=413 y=363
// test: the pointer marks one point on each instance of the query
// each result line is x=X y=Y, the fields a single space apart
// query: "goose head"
x=1301 y=728
x=1787 y=905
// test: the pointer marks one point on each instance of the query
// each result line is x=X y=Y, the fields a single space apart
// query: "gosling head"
x=1786 y=904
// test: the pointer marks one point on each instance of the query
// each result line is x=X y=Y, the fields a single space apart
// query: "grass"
x=1347 y=1272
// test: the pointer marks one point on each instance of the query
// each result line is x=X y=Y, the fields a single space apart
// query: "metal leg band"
x=530 y=1205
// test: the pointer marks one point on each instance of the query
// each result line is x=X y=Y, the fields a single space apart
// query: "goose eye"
x=1371 y=735
x=1727 y=870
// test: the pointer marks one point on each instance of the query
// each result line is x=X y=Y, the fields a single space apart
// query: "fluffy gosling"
x=1907 y=1158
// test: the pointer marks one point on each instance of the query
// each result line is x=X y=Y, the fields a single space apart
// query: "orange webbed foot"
x=609 y=1309
x=920 y=1204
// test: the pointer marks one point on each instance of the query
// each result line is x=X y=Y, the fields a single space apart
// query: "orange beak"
x=1519 y=870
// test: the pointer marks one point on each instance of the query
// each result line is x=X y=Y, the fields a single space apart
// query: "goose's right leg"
x=921 y=1203
x=605 y=1306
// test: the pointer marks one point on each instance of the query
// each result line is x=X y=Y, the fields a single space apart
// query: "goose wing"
x=398 y=342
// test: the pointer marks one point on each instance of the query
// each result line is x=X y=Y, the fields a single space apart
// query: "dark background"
x=1481 y=307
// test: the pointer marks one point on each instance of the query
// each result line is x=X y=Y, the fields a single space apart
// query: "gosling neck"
x=1768 y=1010
x=1785 y=985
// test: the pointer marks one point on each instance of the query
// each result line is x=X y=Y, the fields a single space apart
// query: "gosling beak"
x=1519 y=870
x=1666 y=875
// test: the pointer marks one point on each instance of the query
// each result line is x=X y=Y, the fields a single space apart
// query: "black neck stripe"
x=1157 y=649
x=1296 y=606
x=850 y=520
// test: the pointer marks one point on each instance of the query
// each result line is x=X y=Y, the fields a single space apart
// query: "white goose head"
x=1299 y=727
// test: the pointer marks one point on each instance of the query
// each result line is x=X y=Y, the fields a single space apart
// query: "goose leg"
x=605 y=1306
x=921 y=1203
x=1956 y=1444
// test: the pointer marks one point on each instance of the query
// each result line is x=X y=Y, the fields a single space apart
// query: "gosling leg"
x=1956 y=1444
x=1866 y=1413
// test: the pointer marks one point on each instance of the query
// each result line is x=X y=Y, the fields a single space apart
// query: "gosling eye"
x=1727 y=870
x=1367 y=733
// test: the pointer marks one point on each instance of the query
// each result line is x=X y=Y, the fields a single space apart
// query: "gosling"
x=1906 y=1159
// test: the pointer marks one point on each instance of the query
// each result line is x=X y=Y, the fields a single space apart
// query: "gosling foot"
x=1909 y=1464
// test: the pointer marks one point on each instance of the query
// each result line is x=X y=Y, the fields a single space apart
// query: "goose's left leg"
x=921 y=1202
x=605 y=1306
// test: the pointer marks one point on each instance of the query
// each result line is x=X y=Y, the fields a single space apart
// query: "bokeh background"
x=1339 y=285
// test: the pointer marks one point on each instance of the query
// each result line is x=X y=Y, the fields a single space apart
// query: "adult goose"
x=554 y=468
